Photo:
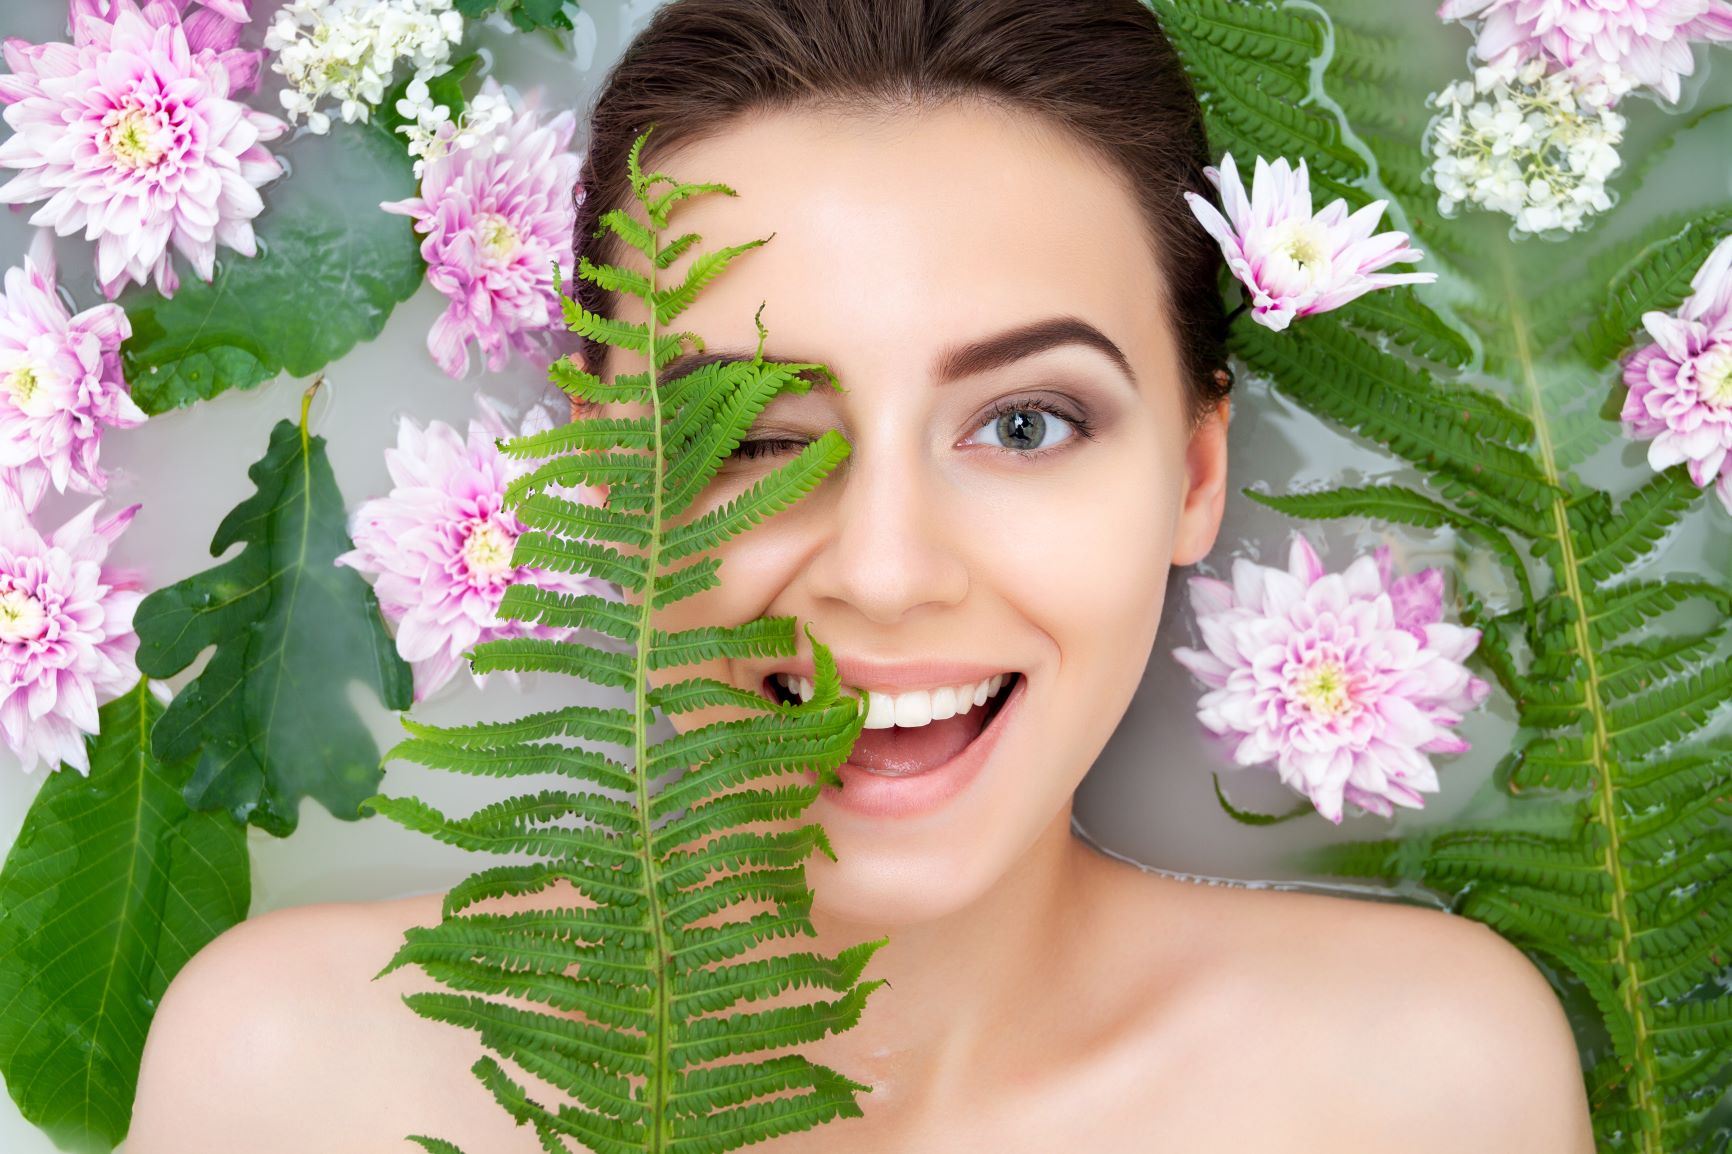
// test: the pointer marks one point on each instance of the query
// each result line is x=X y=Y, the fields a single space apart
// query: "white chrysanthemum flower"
x=1526 y=142
x=345 y=51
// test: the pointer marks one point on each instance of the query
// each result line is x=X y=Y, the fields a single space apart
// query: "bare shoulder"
x=1429 y=1031
x=277 y=1037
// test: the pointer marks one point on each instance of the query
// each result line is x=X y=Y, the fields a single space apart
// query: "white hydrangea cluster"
x=433 y=134
x=1536 y=145
x=346 y=50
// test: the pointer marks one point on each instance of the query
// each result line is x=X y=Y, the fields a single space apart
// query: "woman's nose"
x=891 y=542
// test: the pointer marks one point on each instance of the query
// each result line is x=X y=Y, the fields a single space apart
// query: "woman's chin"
x=886 y=892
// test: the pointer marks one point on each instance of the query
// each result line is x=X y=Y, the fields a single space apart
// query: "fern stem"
x=1643 y=1087
x=658 y=1137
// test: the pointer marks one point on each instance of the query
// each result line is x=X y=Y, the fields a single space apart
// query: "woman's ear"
x=1205 y=495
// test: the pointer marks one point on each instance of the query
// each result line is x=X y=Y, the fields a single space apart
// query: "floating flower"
x=1346 y=681
x=440 y=543
x=1533 y=145
x=1680 y=396
x=346 y=50
x=234 y=11
x=497 y=216
x=66 y=639
x=1295 y=262
x=60 y=382
x=432 y=133
x=1620 y=44
x=131 y=135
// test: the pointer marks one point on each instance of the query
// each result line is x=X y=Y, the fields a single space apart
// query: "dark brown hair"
x=1101 y=68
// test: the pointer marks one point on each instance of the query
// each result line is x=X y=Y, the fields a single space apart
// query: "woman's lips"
x=875 y=795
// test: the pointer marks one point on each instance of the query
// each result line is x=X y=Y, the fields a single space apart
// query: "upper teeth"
x=914 y=708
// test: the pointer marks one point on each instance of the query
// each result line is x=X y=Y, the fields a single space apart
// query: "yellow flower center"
x=1714 y=377
x=133 y=138
x=21 y=616
x=1304 y=245
x=22 y=384
x=487 y=551
x=1323 y=688
x=498 y=238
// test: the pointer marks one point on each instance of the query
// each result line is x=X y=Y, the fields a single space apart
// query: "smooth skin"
x=1042 y=996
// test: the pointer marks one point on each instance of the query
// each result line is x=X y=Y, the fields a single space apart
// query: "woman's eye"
x=1025 y=427
x=767 y=447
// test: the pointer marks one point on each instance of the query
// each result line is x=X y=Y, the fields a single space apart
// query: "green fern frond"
x=1399 y=314
x=1657 y=277
x=1613 y=864
x=1403 y=506
x=622 y=1003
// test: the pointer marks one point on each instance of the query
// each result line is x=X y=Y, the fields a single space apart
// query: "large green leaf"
x=326 y=278
x=269 y=715
x=111 y=886
x=527 y=15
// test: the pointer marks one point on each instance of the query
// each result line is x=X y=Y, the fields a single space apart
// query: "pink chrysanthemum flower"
x=1292 y=261
x=131 y=134
x=1619 y=43
x=1680 y=396
x=234 y=11
x=497 y=213
x=439 y=544
x=66 y=639
x=1346 y=681
x=60 y=382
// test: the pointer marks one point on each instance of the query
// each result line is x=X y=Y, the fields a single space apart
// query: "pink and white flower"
x=60 y=383
x=131 y=134
x=1680 y=397
x=66 y=639
x=234 y=11
x=497 y=215
x=439 y=544
x=1618 y=43
x=1292 y=261
x=1346 y=681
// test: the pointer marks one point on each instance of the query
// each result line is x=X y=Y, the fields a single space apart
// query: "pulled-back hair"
x=1101 y=68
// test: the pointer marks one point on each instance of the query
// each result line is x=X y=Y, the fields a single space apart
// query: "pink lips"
x=872 y=795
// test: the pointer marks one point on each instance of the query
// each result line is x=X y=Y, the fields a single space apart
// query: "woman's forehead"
x=892 y=239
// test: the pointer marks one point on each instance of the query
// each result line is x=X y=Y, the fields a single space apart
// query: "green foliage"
x=268 y=716
x=1247 y=817
x=637 y=1029
x=1614 y=865
x=526 y=15
x=445 y=88
x=112 y=885
x=325 y=279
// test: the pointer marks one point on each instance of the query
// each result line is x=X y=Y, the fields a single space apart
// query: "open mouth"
x=925 y=742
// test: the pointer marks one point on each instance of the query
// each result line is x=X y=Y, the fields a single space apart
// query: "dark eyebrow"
x=984 y=355
x=1012 y=345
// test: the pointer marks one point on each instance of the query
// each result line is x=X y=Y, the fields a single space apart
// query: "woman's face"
x=947 y=534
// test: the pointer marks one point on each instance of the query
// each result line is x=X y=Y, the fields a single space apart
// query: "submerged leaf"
x=269 y=715
x=326 y=278
x=1613 y=865
x=112 y=885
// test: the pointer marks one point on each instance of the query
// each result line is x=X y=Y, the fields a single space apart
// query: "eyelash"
x=1083 y=426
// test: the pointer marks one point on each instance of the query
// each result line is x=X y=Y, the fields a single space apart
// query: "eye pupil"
x=1022 y=428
